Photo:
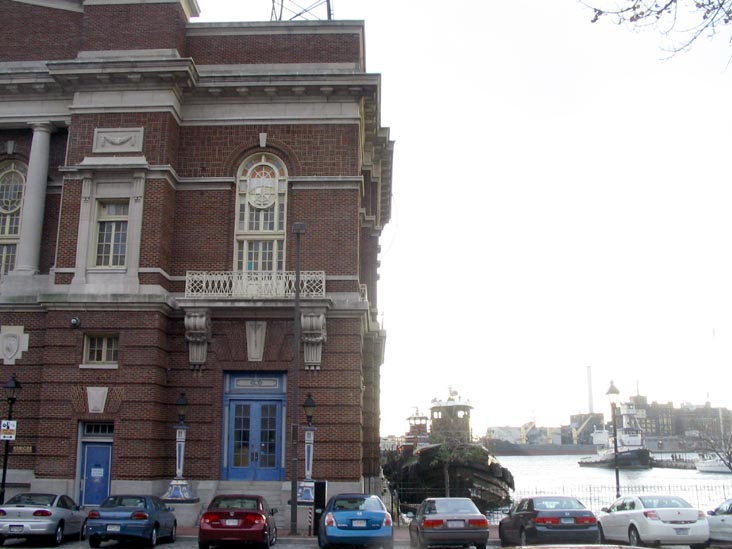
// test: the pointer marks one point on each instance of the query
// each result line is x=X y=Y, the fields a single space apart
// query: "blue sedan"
x=356 y=519
x=131 y=517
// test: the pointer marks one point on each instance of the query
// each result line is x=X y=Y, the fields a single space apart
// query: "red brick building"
x=151 y=172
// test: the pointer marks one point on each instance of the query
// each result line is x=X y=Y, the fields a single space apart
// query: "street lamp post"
x=298 y=229
x=179 y=490
x=612 y=395
x=12 y=389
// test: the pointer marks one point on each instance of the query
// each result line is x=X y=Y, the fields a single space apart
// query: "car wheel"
x=634 y=538
x=700 y=545
x=504 y=542
x=322 y=543
x=522 y=537
x=480 y=546
x=273 y=539
x=202 y=545
x=94 y=541
x=173 y=533
x=601 y=534
x=58 y=535
x=82 y=532
x=152 y=541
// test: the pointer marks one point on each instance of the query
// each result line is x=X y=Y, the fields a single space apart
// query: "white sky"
x=562 y=199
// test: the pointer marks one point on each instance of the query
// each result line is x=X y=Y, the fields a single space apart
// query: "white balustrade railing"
x=253 y=285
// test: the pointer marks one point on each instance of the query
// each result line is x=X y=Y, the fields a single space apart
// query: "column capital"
x=42 y=126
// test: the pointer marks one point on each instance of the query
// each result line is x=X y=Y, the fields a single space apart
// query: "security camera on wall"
x=75 y=322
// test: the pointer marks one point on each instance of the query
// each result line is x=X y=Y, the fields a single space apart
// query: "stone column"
x=34 y=201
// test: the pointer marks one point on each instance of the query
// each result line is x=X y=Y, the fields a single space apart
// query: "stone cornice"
x=85 y=74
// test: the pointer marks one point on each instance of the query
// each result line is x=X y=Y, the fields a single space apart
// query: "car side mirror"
x=273 y=511
x=711 y=513
x=605 y=510
x=171 y=509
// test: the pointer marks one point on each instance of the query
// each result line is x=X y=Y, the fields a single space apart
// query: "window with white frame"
x=112 y=218
x=12 y=185
x=101 y=349
x=261 y=209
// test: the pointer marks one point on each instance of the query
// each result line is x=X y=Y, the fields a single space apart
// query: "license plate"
x=567 y=520
x=16 y=529
x=681 y=531
x=358 y=523
x=231 y=522
x=455 y=524
x=112 y=527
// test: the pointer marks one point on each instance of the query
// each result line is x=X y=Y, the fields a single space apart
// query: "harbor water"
x=595 y=487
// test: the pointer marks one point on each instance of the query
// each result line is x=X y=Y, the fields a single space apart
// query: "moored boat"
x=713 y=465
x=448 y=463
x=631 y=451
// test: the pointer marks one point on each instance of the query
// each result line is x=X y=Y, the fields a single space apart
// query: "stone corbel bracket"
x=314 y=336
x=198 y=334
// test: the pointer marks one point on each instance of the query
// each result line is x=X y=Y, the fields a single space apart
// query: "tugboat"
x=444 y=461
x=632 y=453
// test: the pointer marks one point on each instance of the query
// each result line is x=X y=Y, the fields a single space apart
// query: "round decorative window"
x=262 y=186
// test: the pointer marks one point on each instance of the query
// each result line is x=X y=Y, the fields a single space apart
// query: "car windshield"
x=124 y=501
x=32 y=499
x=550 y=504
x=235 y=503
x=458 y=506
x=357 y=504
x=663 y=502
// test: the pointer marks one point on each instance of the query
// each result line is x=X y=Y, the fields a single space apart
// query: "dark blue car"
x=356 y=519
x=131 y=517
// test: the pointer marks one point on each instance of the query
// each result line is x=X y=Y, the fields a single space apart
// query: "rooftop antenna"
x=292 y=10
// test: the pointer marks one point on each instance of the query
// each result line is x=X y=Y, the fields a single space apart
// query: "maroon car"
x=236 y=518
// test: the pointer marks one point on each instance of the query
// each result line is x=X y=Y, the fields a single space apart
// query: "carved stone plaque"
x=118 y=140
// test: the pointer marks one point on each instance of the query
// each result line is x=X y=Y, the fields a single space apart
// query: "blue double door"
x=254 y=429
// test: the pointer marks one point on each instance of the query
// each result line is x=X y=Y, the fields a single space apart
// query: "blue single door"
x=253 y=440
x=96 y=477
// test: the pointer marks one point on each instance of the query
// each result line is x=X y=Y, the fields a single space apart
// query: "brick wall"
x=134 y=27
x=37 y=33
x=275 y=48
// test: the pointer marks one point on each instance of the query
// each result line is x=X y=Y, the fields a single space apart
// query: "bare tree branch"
x=682 y=21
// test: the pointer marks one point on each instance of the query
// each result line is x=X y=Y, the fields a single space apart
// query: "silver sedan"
x=35 y=515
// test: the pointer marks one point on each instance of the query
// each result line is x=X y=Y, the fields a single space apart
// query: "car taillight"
x=329 y=519
x=387 y=520
x=546 y=520
x=652 y=515
x=210 y=518
x=478 y=523
x=139 y=515
x=42 y=513
x=432 y=523
x=585 y=520
x=93 y=515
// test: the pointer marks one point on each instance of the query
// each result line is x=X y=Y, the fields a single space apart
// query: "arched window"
x=12 y=185
x=260 y=220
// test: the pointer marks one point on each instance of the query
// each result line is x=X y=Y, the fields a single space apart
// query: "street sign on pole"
x=8 y=429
